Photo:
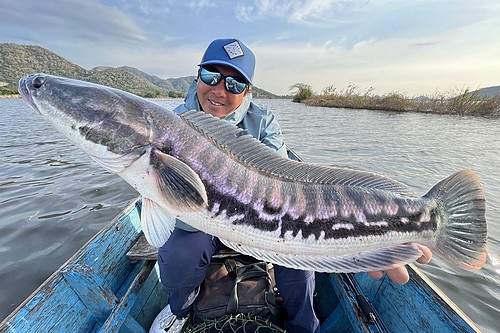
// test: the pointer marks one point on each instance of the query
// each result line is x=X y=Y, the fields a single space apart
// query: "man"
x=223 y=89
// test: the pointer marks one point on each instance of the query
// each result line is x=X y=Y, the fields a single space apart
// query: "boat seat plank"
x=142 y=250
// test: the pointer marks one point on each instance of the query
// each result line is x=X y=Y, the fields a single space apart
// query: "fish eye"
x=38 y=82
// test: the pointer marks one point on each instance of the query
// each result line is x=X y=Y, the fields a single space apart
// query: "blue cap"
x=233 y=53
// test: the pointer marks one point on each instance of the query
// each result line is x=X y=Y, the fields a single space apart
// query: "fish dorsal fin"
x=378 y=259
x=248 y=151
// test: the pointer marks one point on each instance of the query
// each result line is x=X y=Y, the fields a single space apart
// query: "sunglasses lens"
x=210 y=78
x=234 y=86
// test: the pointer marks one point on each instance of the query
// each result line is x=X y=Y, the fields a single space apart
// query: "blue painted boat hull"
x=100 y=290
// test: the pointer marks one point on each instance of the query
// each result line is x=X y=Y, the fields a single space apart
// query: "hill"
x=487 y=92
x=17 y=61
x=178 y=85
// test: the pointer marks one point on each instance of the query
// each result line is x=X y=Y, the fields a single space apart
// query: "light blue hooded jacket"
x=256 y=120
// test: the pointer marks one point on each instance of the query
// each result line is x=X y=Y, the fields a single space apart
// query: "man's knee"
x=285 y=276
x=183 y=258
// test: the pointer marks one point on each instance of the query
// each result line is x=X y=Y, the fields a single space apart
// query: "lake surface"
x=53 y=197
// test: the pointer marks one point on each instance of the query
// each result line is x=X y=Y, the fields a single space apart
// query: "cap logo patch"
x=233 y=50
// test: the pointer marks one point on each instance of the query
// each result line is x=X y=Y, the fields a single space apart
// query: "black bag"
x=233 y=286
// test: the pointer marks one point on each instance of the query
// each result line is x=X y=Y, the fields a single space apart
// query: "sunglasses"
x=210 y=76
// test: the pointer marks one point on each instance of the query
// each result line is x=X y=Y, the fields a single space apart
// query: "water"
x=53 y=198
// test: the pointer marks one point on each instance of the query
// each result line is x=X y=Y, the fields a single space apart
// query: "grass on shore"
x=462 y=103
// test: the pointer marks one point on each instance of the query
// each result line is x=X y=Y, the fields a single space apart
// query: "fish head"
x=110 y=125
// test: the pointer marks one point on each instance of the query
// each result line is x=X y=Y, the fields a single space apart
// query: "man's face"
x=216 y=100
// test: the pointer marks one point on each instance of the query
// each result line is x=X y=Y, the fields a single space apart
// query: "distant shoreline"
x=487 y=108
x=466 y=103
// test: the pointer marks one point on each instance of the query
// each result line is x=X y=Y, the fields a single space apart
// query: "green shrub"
x=8 y=90
x=302 y=92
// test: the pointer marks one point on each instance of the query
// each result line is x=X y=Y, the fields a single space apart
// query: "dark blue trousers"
x=184 y=259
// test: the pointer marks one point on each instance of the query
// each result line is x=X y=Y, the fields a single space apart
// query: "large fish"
x=217 y=178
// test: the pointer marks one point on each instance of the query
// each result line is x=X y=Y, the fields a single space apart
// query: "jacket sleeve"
x=263 y=125
x=271 y=134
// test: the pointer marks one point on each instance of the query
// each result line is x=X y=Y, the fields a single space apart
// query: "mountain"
x=179 y=84
x=17 y=61
x=176 y=85
x=487 y=92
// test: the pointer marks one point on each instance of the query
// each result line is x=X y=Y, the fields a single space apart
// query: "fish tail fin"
x=462 y=239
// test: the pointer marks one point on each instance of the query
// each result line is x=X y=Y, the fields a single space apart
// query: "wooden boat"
x=100 y=289
x=112 y=285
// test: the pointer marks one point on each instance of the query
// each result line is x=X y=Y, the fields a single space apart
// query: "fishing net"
x=239 y=323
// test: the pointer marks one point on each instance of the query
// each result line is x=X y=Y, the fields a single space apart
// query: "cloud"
x=146 y=8
x=291 y=11
x=310 y=12
x=87 y=20
x=201 y=4
x=412 y=47
x=413 y=66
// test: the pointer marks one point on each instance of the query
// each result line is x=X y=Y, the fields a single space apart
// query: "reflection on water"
x=53 y=198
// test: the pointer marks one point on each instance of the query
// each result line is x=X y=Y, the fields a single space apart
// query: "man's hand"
x=400 y=275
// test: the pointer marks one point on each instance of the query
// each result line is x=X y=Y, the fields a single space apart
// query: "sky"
x=418 y=47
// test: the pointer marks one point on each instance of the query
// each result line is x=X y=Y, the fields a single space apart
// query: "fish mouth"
x=24 y=91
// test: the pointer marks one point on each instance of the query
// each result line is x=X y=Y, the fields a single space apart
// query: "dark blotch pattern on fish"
x=231 y=207
x=118 y=138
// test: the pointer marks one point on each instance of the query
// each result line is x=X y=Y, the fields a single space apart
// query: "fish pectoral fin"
x=157 y=223
x=379 y=259
x=180 y=187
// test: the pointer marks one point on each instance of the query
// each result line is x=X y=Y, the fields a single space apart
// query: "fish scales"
x=219 y=179
x=311 y=203
x=216 y=173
